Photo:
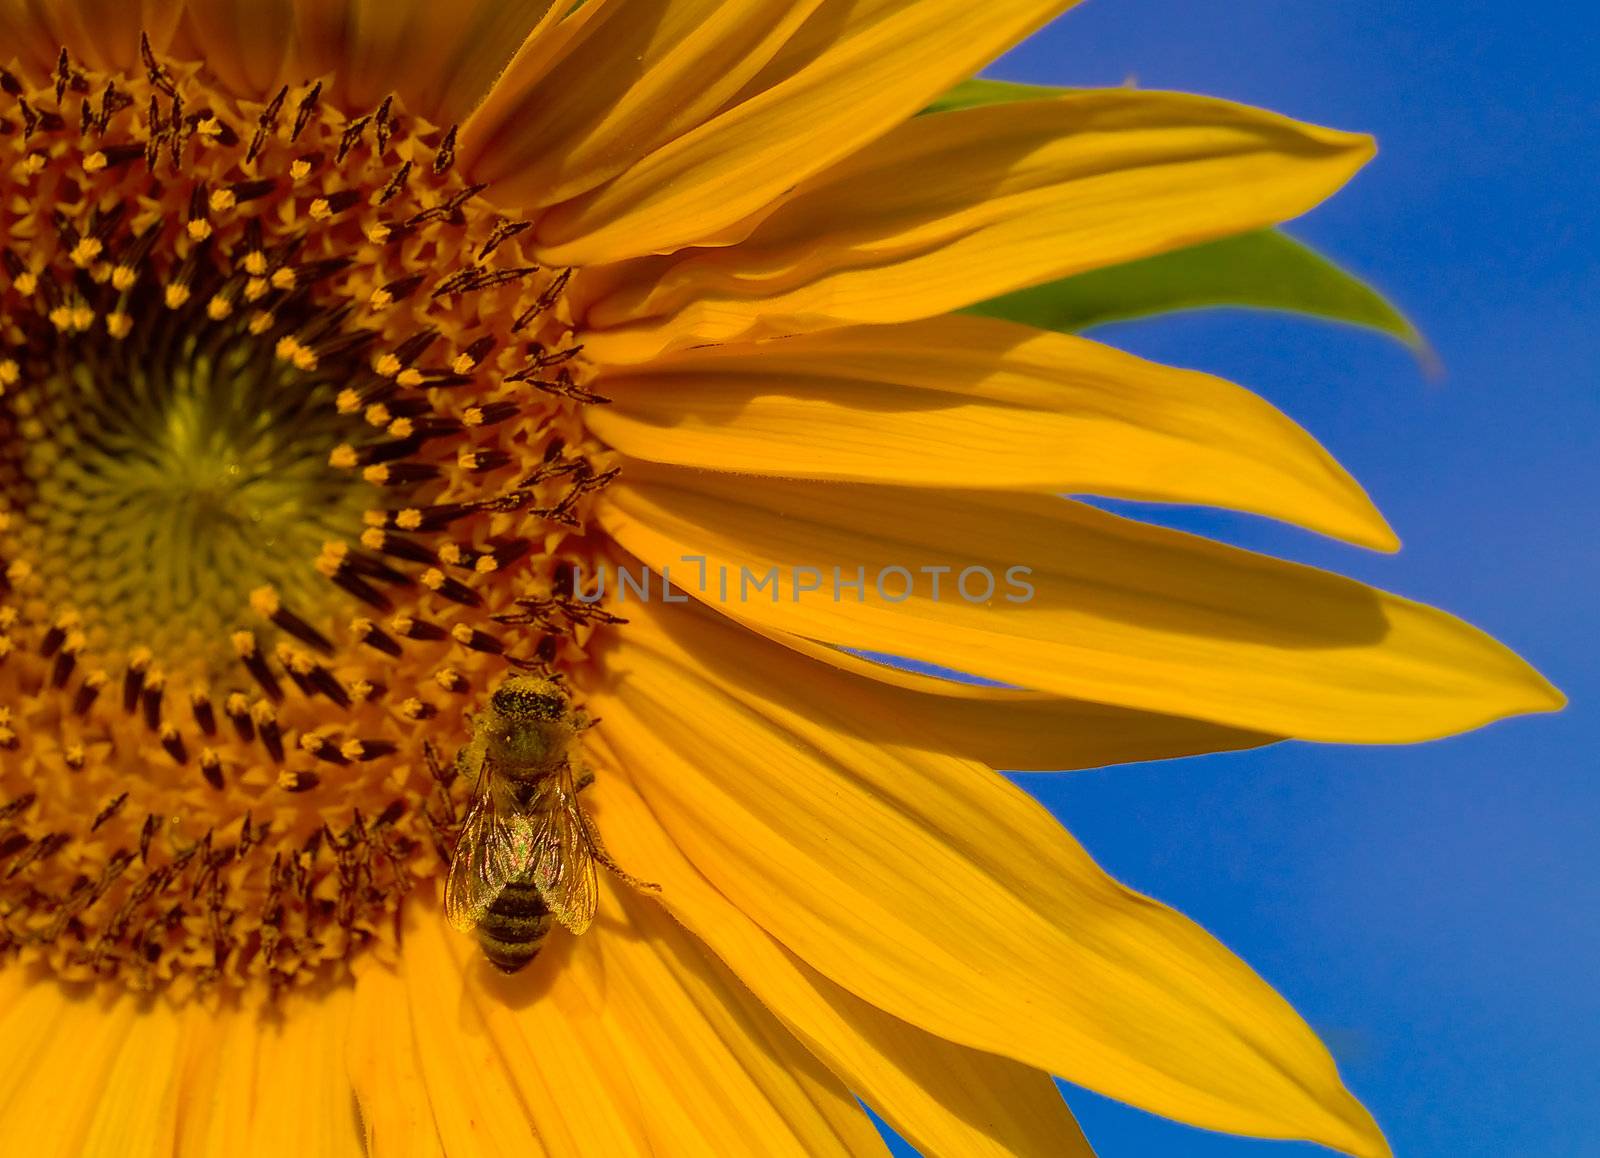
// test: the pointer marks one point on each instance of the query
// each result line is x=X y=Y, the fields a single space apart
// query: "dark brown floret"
x=320 y=303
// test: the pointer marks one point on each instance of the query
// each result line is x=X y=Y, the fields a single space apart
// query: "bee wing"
x=493 y=846
x=563 y=863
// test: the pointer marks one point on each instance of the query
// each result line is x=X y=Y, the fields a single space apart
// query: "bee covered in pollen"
x=526 y=851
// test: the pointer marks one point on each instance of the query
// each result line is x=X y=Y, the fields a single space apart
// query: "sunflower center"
x=161 y=474
x=291 y=474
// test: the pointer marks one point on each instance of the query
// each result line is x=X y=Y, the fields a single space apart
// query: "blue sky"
x=1432 y=910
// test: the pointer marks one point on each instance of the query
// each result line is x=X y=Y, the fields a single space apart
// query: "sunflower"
x=350 y=349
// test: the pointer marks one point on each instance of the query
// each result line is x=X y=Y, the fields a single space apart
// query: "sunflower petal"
x=217 y=1072
x=1075 y=601
x=944 y=895
x=25 y=1009
x=138 y=1105
x=980 y=403
x=72 y=1042
x=958 y=208
x=442 y=58
x=941 y=1097
x=630 y=1039
x=669 y=65
x=246 y=45
x=26 y=29
x=715 y=1068
x=386 y=1071
x=855 y=69
x=301 y=1062
x=476 y=1106
x=562 y=29
x=569 y=1072
x=543 y=1036
x=101 y=33
x=1020 y=731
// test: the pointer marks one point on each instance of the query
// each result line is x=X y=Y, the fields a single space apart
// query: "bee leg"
x=584 y=779
x=598 y=850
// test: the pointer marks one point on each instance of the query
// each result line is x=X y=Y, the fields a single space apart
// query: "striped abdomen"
x=512 y=929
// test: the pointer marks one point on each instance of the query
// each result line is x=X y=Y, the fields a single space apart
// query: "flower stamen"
x=261 y=366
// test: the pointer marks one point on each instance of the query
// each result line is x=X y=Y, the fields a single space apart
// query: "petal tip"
x=1554 y=698
x=1374 y=532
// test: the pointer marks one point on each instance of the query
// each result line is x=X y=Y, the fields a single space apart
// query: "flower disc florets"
x=291 y=473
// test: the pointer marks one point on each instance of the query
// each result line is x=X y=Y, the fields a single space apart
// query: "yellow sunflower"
x=351 y=348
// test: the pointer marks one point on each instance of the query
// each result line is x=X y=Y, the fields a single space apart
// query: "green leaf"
x=969 y=94
x=1262 y=270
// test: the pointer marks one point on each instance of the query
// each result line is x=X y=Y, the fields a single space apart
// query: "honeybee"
x=527 y=851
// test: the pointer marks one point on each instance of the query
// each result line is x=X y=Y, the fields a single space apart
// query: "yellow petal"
x=562 y=29
x=979 y=403
x=1021 y=731
x=118 y=1073
x=137 y=1109
x=856 y=68
x=74 y=1043
x=100 y=33
x=1108 y=610
x=442 y=58
x=695 y=1062
x=569 y=1073
x=385 y=1069
x=712 y=1066
x=942 y=894
x=27 y=29
x=25 y=1008
x=218 y=1075
x=786 y=1098
x=711 y=1040
x=477 y=1108
x=527 y=1032
x=301 y=1062
x=630 y=83
x=247 y=43
x=952 y=209
x=941 y=1097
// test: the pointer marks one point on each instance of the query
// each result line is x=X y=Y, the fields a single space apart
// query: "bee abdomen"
x=514 y=926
